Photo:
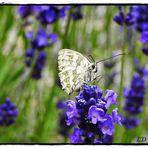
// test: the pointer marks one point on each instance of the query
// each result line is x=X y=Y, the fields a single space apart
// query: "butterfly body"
x=75 y=70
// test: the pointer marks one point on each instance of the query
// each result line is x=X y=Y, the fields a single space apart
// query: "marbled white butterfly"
x=75 y=70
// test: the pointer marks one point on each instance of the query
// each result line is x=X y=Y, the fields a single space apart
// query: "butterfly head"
x=94 y=67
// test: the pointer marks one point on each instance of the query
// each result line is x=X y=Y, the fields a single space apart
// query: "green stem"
x=66 y=29
x=119 y=130
x=122 y=67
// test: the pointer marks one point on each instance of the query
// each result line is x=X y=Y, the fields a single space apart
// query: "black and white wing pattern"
x=72 y=68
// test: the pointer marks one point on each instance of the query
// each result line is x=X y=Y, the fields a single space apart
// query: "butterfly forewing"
x=72 y=68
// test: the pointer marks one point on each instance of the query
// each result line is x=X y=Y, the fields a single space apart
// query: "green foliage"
x=37 y=122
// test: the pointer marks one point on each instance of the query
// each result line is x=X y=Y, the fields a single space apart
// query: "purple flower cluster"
x=77 y=13
x=89 y=114
x=123 y=19
x=38 y=43
x=8 y=113
x=137 y=18
x=49 y=14
x=140 y=23
x=26 y=10
x=140 y=69
x=63 y=129
x=144 y=40
x=134 y=101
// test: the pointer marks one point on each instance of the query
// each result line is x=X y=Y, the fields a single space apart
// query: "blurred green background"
x=97 y=35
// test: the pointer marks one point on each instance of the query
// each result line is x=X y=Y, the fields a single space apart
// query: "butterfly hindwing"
x=72 y=68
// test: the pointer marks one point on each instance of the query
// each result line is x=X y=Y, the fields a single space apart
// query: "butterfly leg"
x=96 y=78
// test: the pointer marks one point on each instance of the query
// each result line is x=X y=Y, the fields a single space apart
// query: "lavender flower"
x=25 y=10
x=134 y=101
x=41 y=39
x=123 y=19
x=77 y=13
x=63 y=128
x=8 y=113
x=89 y=114
x=144 y=40
x=141 y=69
x=39 y=42
x=139 y=17
x=50 y=14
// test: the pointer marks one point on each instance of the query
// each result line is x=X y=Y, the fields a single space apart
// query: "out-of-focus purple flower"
x=61 y=104
x=144 y=37
x=134 y=99
x=141 y=69
x=116 y=117
x=50 y=14
x=63 y=11
x=89 y=114
x=131 y=122
x=8 y=113
x=39 y=65
x=123 y=19
x=63 y=128
x=39 y=42
x=107 y=126
x=76 y=136
x=30 y=52
x=145 y=50
x=110 y=97
x=24 y=11
x=108 y=139
x=77 y=13
x=119 y=18
x=42 y=39
x=139 y=17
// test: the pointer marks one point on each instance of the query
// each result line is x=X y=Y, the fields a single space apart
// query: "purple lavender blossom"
x=50 y=14
x=39 y=65
x=95 y=114
x=140 y=69
x=8 y=113
x=77 y=13
x=63 y=128
x=41 y=39
x=39 y=42
x=123 y=19
x=76 y=136
x=110 y=97
x=131 y=122
x=145 y=50
x=107 y=126
x=134 y=101
x=144 y=40
x=89 y=114
x=139 y=17
x=116 y=117
x=25 y=10
x=144 y=37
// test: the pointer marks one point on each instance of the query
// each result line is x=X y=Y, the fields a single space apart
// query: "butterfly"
x=76 y=69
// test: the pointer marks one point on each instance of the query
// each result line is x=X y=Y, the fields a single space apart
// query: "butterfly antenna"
x=111 y=57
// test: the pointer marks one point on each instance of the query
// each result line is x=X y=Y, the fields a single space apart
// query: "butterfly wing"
x=72 y=67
